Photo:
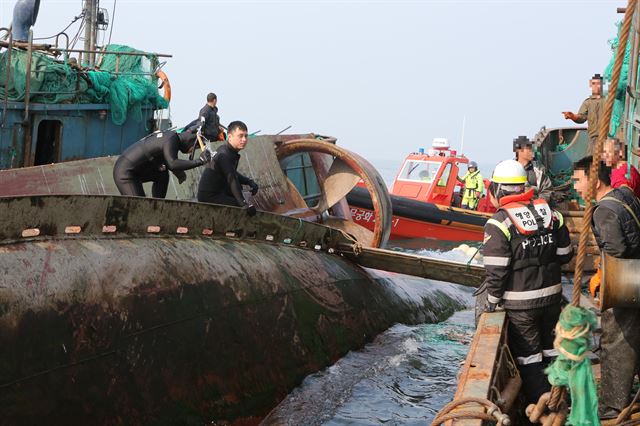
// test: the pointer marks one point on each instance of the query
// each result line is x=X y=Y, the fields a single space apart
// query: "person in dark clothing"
x=616 y=227
x=220 y=182
x=525 y=242
x=591 y=110
x=208 y=120
x=536 y=176
x=151 y=158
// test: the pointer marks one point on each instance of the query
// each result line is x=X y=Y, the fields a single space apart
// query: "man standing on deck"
x=616 y=227
x=525 y=242
x=536 y=176
x=590 y=109
x=473 y=187
x=209 y=120
x=220 y=182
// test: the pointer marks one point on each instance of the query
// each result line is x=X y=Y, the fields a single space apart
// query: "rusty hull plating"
x=118 y=310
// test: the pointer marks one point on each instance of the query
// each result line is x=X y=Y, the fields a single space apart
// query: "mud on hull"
x=142 y=327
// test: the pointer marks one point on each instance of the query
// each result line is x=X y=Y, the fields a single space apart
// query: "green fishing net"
x=572 y=368
x=54 y=82
x=617 y=115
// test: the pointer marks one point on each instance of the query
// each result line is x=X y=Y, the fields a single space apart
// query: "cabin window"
x=445 y=175
x=420 y=171
x=48 y=142
x=299 y=170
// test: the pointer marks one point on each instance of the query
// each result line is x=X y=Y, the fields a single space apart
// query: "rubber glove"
x=594 y=283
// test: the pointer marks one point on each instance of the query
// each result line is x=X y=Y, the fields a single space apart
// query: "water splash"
x=404 y=377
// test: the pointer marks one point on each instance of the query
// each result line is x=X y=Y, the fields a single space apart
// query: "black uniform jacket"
x=211 y=126
x=615 y=224
x=525 y=242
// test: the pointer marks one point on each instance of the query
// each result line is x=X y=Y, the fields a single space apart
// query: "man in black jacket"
x=151 y=158
x=220 y=182
x=536 y=175
x=525 y=242
x=616 y=228
x=208 y=119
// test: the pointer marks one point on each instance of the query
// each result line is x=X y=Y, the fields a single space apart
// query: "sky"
x=384 y=77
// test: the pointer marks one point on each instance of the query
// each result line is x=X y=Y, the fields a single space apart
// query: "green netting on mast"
x=127 y=91
x=617 y=115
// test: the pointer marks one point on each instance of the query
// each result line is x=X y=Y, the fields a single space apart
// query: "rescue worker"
x=220 y=182
x=590 y=110
x=151 y=158
x=525 y=242
x=536 y=175
x=616 y=227
x=613 y=155
x=473 y=186
x=209 y=120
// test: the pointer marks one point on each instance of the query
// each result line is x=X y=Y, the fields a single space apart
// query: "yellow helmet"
x=509 y=172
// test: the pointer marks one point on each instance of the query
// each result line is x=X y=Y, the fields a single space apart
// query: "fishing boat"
x=425 y=198
x=131 y=310
x=489 y=384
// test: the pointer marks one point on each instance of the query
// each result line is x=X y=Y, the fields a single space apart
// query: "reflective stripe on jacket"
x=525 y=242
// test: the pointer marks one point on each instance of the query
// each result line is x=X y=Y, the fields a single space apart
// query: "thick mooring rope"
x=605 y=121
x=558 y=393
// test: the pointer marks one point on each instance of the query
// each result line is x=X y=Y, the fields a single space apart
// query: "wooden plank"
x=478 y=371
x=419 y=266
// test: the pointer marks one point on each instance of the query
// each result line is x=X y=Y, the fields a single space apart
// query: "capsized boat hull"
x=154 y=318
x=417 y=219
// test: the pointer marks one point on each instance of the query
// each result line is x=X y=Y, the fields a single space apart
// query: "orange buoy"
x=164 y=85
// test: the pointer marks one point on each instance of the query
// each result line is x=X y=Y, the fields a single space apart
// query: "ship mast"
x=91 y=29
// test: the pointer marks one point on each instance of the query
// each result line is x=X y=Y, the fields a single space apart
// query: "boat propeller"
x=338 y=171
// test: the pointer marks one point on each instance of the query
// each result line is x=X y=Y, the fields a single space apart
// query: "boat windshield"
x=420 y=171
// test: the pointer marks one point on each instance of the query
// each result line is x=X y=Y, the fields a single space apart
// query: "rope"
x=474 y=254
x=597 y=153
x=624 y=414
x=493 y=412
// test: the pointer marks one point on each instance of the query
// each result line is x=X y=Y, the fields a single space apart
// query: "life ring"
x=164 y=85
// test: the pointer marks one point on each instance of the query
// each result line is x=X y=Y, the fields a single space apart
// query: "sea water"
x=403 y=377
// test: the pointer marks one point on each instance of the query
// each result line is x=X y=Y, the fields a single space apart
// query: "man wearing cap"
x=473 y=186
x=591 y=109
x=536 y=176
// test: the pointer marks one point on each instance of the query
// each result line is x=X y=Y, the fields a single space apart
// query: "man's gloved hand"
x=569 y=115
x=180 y=175
x=490 y=307
x=205 y=157
x=594 y=283
x=250 y=209
x=254 y=187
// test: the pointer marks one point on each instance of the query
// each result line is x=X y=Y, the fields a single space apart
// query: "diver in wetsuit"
x=209 y=119
x=220 y=182
x=151 y=158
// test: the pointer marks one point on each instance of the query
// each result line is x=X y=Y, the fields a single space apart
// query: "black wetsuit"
x=220 y=182
x=149 y=160
x=211 y=126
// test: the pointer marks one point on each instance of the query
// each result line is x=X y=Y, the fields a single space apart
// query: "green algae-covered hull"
x=127 y=310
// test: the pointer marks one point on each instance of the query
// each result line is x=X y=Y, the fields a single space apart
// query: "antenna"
x=464 y=119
